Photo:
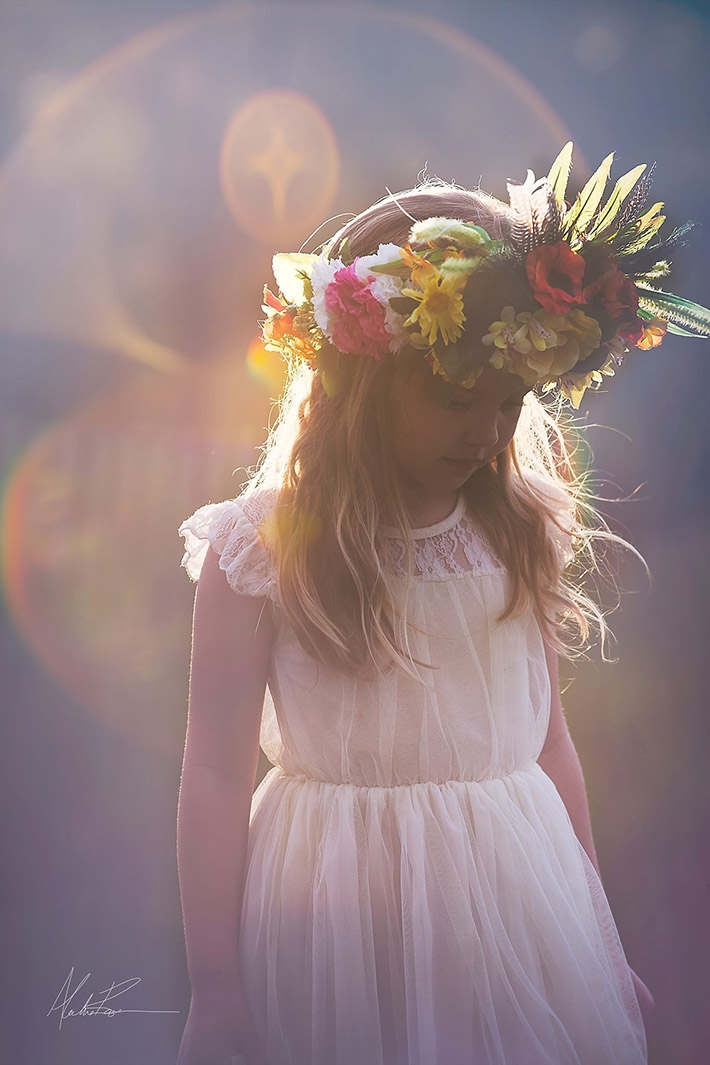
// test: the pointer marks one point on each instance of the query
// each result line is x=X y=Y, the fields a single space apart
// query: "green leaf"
x=649 y=316
x=328 y=362
x=589 y=198
x=345 y=254
x=559 y=174
x=672 y=328
x=605 y=219
x=403 y=304
x=396 y=268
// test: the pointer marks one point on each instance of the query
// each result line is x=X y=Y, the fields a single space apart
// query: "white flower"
x=322 y=273
x=386 y=253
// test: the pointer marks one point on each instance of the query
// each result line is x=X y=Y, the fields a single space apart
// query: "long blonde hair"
x=330 y=458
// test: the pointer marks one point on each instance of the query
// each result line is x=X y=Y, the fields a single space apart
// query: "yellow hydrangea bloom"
x=508 y=333
x=542 y=328
x=583 y=333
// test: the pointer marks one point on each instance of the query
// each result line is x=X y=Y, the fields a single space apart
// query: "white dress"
x=415 y=893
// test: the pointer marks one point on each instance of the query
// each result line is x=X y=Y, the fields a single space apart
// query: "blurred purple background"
x=153 y=157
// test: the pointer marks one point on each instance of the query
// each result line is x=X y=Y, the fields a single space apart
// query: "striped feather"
x=644 y=260
x=536 y=215
x=638 y=199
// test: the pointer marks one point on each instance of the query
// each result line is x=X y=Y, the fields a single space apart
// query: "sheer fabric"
x=415 y=893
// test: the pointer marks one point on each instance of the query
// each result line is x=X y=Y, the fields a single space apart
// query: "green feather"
x=559 y=174
x=605 y=219
x=637 y=233
x=588 y=200
x=638 y=242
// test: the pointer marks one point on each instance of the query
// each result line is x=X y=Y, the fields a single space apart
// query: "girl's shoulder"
x=234 y=529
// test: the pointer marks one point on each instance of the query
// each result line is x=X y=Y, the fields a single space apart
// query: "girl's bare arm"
x=231 y=646
x=560 y=761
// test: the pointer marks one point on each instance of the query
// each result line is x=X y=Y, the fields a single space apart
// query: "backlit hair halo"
x=587 y=273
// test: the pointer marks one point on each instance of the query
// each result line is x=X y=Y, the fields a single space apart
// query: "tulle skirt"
x=456 y=923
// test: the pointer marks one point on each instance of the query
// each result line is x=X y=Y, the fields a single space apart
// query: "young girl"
x=415 y=881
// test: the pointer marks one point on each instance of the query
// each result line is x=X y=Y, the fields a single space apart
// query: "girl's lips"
x=463 y=463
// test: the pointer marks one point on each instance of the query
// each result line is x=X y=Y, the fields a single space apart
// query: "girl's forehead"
x=491 y=380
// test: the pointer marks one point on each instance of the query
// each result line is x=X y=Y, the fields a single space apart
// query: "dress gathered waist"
x=307 y=779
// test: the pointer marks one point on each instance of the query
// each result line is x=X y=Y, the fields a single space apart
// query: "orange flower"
x=653 y=333
x=555 y=274
x=422 y=271
x=283 y=332
x=272 y=302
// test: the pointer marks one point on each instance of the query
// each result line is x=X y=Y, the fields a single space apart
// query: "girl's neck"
x=424 y=510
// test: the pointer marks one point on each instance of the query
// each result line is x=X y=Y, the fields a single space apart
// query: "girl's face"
x=442 y=434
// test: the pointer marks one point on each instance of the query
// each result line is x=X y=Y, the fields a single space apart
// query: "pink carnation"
x=357 y=318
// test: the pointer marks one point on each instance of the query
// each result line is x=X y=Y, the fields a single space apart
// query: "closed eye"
x=510 y=404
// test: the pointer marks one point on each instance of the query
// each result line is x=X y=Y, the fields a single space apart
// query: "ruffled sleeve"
x=231 y=528
x=565 y=527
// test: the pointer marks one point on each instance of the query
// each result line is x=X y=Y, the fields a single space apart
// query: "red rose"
x=614 y=292
x=555 y=274
x=631 y=332
x=628 y=296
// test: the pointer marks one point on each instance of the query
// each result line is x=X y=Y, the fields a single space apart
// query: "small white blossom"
x=322 y=273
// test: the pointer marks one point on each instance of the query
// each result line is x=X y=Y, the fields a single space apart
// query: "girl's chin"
x=461 y=470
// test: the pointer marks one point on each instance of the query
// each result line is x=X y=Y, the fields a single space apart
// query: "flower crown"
x=587 y=273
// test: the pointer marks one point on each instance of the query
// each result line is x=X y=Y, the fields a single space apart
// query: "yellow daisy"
x=440 y=307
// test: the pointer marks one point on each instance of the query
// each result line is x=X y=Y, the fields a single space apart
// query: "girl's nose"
x=481 y=434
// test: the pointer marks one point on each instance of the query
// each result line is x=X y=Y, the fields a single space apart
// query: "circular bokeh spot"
x=279 y=166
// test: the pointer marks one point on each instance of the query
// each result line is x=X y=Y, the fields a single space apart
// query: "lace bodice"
x=452 y=547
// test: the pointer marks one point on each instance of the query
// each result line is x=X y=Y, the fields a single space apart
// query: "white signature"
x=90 y=1007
